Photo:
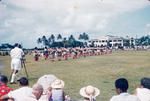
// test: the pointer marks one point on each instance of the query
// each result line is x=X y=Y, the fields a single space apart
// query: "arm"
x=4 y=97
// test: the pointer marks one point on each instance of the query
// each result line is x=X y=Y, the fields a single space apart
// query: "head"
x=16 y=45
x=58 y=84
x=89 y=93
x=145 y=82
x=23 y=81
x=121 y=85
x=37 y=90
x=19 y=46
x=3 y=79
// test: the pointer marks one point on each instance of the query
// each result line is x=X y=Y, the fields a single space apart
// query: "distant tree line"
x=59 y=41
x=143 y=41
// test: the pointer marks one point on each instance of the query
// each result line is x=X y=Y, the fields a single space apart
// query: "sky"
x=24 y=21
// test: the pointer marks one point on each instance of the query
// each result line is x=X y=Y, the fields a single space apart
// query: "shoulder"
x=114 y=98
x=133 y=97
x=4 y=90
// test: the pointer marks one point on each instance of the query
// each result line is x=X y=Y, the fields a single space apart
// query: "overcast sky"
x=24 y=21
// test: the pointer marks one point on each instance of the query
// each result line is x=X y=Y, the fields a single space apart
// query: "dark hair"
x=16 y=45
x=35 y=48
x=122 y=84
x=3 y=79
x=23 y=81
x=145 y=82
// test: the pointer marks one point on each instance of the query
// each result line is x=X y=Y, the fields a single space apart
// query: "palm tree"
x=44 y=40
x=71 y=37
x=49 y=41
x=52 y=38
x=39 y=40
x=71 y=40
x=59 y=37
x=80 y=37
x=65 y=41
x=85 y=38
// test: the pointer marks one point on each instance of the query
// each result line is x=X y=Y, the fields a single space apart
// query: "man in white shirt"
x=121 y=85
x=143 y=92
x=16 y=56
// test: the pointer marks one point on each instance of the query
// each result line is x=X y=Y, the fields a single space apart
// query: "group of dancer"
x=66 y=53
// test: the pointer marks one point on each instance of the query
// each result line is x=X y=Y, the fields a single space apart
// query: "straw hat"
x=58 y=84
x=89 y=91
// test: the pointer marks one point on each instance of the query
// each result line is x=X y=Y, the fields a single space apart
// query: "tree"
x=52 y=38
x=85 y=38
x=143 y=41
x=39 y=40
x=44 y=40
x=59 y=37
x=71 y=40
x=65 y=42
x=80 y=37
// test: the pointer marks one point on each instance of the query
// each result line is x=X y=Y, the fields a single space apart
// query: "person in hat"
x=4 y=89
x=89 y=93
x=57 y=92
x=143 y=92
x=16 y=56
x=21 y=92
x=121 y=85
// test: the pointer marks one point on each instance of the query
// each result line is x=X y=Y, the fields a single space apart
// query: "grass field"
x=99 y=71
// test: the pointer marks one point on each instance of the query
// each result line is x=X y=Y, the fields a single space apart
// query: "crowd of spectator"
x=51 y=88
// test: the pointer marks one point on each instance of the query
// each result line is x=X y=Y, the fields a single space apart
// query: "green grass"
x=99 y=71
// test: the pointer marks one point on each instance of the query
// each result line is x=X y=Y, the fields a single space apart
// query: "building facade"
x=112 y=41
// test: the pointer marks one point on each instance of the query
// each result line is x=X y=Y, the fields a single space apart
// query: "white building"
x=111 y=41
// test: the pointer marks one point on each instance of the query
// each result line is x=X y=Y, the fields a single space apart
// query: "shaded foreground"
x=99 y=71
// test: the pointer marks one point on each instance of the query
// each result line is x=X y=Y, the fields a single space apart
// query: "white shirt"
x=143 y=94
x=20 y=93
x=124 y=97
x=16 y=53
x=29 y=98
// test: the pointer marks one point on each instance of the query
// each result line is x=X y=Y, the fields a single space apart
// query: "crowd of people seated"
x=66 y=53
x=51 y=88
